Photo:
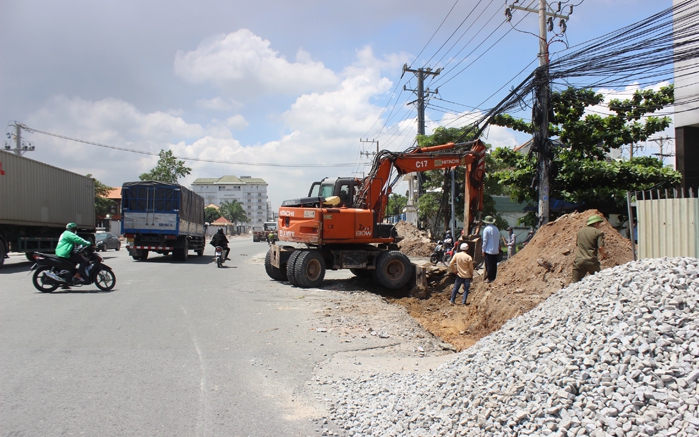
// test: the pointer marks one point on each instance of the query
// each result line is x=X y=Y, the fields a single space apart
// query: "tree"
x=211 y=214
x=233 y=211
x=168 y=169
x=103 y=206
x=581 y=173
x=434 y=205
x=396 y=204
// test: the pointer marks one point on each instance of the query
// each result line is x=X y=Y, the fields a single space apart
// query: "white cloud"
x=242 y=63
x=237 y=122
x=218 y=104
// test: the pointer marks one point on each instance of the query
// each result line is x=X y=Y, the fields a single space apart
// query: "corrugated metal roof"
x=229 y=180
x=505 y=204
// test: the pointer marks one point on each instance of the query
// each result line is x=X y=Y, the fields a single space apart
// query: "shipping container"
x=37 y=200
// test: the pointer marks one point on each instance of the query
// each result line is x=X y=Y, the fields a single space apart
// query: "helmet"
x=71 y=226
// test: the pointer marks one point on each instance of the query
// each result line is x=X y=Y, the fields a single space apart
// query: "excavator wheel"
x=309 y=269
x=393 y=269
x=273 y=272
x=290 y=265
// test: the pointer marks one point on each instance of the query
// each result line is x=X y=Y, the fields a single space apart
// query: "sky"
x=275 y=89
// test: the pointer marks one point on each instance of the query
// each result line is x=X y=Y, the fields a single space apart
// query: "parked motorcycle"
x=218 y=256
x=438 y=253
x=448 y=255
x=52 y=272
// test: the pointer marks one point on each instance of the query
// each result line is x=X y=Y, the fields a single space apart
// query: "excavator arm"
x=376 y=188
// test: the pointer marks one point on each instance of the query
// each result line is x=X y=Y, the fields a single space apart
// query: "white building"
x=248 y=191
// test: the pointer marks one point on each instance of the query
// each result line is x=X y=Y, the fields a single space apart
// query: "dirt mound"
x=415 y=242
x=543 y=267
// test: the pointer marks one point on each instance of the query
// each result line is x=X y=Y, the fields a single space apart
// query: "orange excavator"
x=340 y=224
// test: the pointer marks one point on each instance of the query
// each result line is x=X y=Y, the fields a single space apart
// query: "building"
x=686 y=109
x=250 y=192
x=111 y=222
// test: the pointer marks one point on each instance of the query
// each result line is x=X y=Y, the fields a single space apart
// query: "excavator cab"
x=344 y=188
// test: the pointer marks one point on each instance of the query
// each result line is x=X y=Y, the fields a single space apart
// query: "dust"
x=540 y=269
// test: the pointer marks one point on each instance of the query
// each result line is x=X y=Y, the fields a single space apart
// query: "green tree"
x=103 y=206
x=233 y=211
x=168 y=169
x=434 y=205
x=581 y=173
x=211 y=214
x=396 y=204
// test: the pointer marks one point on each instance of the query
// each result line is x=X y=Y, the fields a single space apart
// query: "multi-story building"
x=250 y=192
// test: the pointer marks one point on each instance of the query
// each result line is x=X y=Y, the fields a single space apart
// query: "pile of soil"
x=415 y=242
x=537 y=271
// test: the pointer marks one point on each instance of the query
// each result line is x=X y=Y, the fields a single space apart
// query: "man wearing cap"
x=491 y=248
x=590 y=240
x=464 y=272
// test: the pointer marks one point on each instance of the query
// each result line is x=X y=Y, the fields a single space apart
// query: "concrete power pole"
x=541 y=108
x=21 y=146
x=422 y=94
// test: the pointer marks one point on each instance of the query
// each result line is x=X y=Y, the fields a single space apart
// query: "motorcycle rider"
x=219 y=239
x=64 y=249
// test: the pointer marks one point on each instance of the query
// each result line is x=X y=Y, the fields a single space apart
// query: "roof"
x=229 y=180
x=211 y=205
x=221 y=221
x=114 y=194
x=505 y=204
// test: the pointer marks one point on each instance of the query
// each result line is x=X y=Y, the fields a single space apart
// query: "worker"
x=590 y=241
x=491 y=248
x=464 y=272
x=64 y=249
x=510 y=242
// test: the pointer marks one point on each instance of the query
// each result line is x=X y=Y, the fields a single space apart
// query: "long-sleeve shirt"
x=491 y=240
x=66 y=243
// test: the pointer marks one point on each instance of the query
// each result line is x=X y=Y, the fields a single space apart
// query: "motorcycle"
x=438 y=253
x=218 y=256
x=448 y=255
x=52 y=272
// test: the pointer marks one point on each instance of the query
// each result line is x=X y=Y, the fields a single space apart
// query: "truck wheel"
x=392 y=269
x=3 y=252
x=309 y=269
x=290 y=267
x=273 y=272
x=182 y=253
x=144 y=255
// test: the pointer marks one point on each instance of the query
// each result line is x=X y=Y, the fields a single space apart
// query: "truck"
x=263 y=235
x=37 y=200
x=163 y=218
x=339 y=225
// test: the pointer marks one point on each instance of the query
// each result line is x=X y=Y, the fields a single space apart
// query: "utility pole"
x=660 y=143
x=422 y=95
x=21 y=146
x=366 y=153
x=540 y=109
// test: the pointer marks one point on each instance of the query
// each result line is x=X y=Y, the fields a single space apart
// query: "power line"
x=214 y=161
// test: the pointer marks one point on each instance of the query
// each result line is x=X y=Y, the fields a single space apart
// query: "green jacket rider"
x=65 y=247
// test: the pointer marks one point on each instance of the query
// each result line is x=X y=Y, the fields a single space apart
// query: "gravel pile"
x=614 y=355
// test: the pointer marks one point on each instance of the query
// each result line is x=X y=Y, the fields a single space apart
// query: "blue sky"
x=287 y=86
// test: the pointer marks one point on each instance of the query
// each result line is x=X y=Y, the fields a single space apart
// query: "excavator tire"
x=309 y=269
x=273 y=272
x=290 y=264
x=393 y=269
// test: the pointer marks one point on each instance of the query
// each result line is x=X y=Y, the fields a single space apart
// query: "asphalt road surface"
x=176 y=349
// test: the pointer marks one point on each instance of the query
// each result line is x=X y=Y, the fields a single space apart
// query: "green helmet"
x=71 y=226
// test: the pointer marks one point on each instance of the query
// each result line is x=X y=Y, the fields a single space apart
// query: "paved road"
x=176 y=349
